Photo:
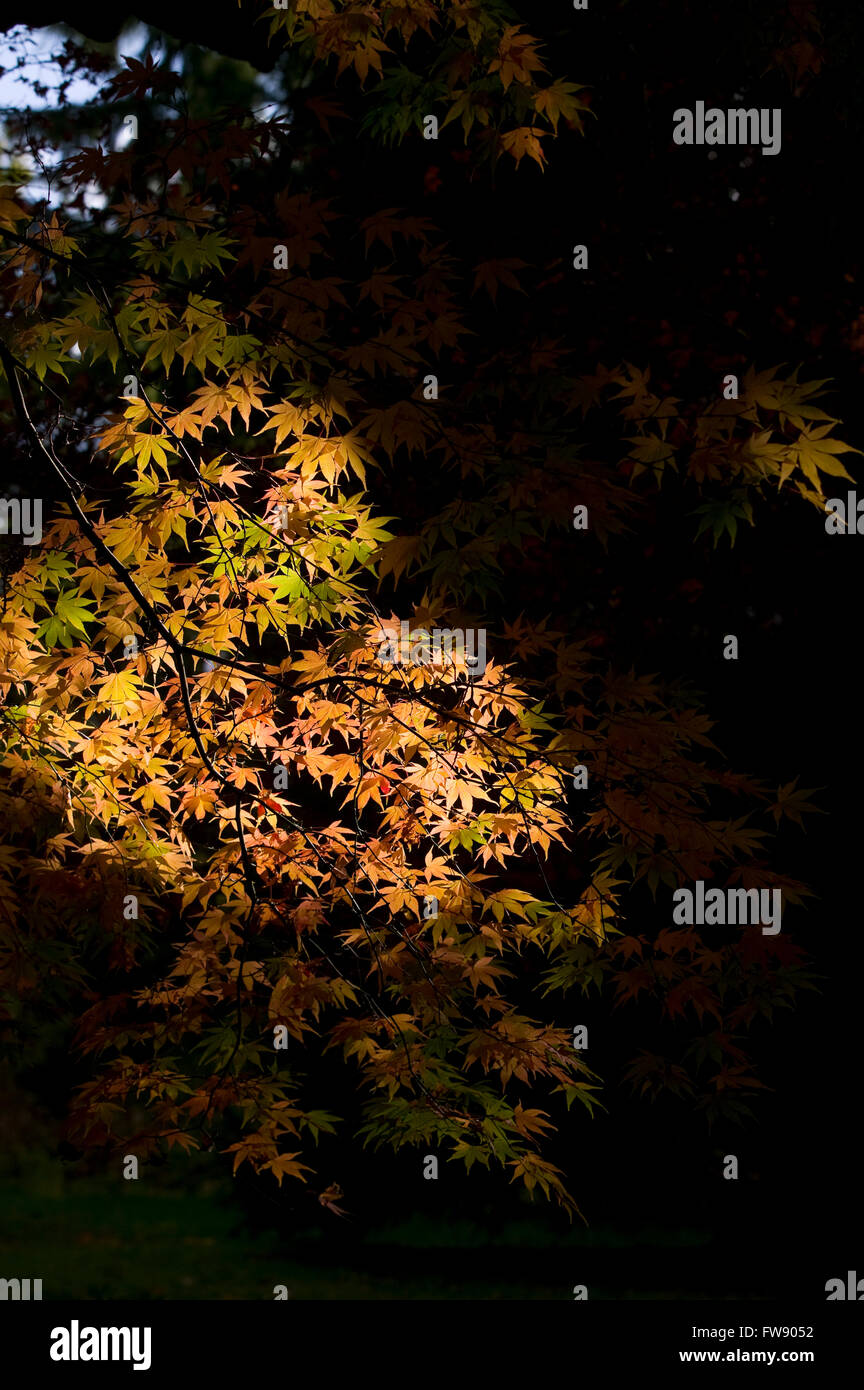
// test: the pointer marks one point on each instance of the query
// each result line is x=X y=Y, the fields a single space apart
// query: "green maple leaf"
x=68 y=619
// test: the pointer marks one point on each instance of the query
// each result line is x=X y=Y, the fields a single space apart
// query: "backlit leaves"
x=199 y=716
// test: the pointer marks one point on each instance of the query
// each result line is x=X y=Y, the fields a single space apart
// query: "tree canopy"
x=271 y=422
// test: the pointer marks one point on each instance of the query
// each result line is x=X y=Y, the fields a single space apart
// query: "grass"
x=87 y=1239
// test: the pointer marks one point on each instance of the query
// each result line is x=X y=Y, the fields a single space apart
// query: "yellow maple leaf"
x=558 y=100
x=525 y=139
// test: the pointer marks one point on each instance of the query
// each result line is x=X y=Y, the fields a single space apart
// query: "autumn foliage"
x=231 y=516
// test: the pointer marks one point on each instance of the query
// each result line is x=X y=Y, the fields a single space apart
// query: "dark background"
x=694 y=283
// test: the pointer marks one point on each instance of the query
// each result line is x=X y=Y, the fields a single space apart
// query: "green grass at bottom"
x=86 y=1242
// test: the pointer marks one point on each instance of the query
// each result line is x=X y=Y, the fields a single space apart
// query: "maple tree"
x=206 y=607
